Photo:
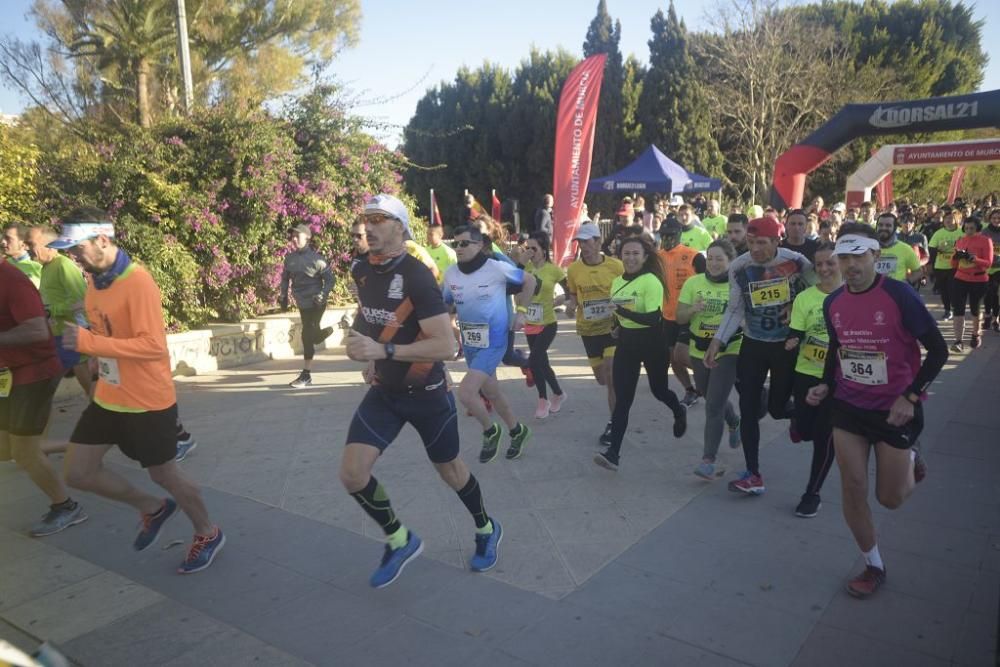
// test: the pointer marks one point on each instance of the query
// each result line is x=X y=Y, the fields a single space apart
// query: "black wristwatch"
x=390 y=351
x=914 y=401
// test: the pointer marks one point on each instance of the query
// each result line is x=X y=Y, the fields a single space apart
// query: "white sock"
x=874 y=558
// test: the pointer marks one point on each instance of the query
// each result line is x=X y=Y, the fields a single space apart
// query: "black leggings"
x=757 y=359
x=992 y=296
x=942 y=281
x=538 y=344
x=962 y=292
x=814 y=423
x=310 y=330
x=638 y=348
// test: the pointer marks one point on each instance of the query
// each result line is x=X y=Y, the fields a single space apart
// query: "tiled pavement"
x=649 y=566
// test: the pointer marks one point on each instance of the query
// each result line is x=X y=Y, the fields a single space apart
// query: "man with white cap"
x=134 y=404
x=309 y=276
x=876 y=325
x=403 y=332
x=588 y=283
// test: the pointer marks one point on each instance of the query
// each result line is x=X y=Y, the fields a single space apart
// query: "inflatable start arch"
x=917 y=156
x=936 y=114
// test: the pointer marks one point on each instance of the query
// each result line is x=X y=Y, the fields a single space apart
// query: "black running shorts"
x=383 y=413
x=26 y=411
x=147 y=437
x=872 y=424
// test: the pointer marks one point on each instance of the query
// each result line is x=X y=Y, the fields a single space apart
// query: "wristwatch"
x=390 y=351
x=912 y=397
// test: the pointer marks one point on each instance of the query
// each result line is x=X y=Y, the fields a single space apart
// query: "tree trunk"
x=142 y=91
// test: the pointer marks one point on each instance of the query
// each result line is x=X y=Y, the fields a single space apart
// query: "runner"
x=588 y=286
x=440 y=252
x=808 y=334
x=703 y=300
x=134 y=404
x=736 y=232
x=897 y=258
x=692 y=235
x=311 y=280
x=477 y=288
x=62 y=288
x=29 y=374
x=404 y=334
x=540 y=323
x=874 y=373
x=637 y=296
x=993 y=288
x=972 y=258
x=15 y=248
x=680 y=262
x=715 y=223
x=908 y=234
x=796 y=238
x=942 y=246
x=762 y=286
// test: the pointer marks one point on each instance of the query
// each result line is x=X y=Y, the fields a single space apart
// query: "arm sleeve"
x=149 y=341
x=285 y=277
x=733 y=316
x=937 y=355
x=832 y=353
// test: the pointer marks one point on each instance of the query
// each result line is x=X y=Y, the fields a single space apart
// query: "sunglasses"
x=376 y=218
x=465 y=243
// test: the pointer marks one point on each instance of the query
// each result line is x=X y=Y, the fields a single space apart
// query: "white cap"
x=586 y=231
x=840 y=206
x=855 y=244
x=390 y=206
x=75 y=233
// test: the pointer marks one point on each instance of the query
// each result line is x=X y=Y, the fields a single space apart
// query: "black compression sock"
x=375 y=502
x=472 y=497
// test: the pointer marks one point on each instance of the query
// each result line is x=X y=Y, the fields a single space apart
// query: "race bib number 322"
x=774 y=292
x=596 y=309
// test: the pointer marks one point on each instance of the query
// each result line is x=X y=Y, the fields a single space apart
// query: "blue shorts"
x=485 y=359
x=383 y=413
x=69 y=358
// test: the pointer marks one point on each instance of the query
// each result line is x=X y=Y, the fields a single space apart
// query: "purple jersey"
x=877 y=333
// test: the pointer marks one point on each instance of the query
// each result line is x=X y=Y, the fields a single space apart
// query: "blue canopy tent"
x=654 y=172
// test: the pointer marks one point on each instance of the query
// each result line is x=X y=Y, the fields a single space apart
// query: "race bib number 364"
x=868 y=368
x=774 y=292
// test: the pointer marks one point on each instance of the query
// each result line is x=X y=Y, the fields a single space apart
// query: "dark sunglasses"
x=464 y=243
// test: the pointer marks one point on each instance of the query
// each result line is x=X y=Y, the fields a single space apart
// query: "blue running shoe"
x=734 y=435
x=202 y=552
x=394 y=560
x=487 y=549
x=152 y=524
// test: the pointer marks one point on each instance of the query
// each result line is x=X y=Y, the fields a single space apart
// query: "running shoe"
x=487 y=549
x=556 y=402
x=974 y=342
x=202 y=552
x=58 y=519
x=809 y=506
x=153 y=523
x=734 y=435
x=919 y=466
x=529 y=376
x=607 y=460
x=705 y=470
x=517 y=442
x=748 y=483
x=691 y=397
x=945 y=318
x=491 y=444
x=303 y=380
x=865 y=584
x=605 y=438
x=185 y=447
x=680 y=422
x=543 y=409
x=394 y=560
x=958 y=347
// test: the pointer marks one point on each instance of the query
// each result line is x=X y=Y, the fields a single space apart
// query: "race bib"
x=814 y=350
x=534 y=314
x=863 y=367
x=886 y=265
x=475 y=335
x=707 y=330
x=6 y=382
x=596 y=309
x=107 y=369
x=774 y=292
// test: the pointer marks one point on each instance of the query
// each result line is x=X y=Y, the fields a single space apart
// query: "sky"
x=406 y=47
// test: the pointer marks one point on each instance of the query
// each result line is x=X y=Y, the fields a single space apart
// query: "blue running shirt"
x=480 y=300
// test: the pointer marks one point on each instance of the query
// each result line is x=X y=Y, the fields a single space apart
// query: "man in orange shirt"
x=134 y=404
x=679 y=263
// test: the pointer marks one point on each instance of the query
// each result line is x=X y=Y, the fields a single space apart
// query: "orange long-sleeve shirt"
x=975 y=271
x=128 y=337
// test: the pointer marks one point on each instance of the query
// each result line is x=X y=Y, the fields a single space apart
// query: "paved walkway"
x=646 y=566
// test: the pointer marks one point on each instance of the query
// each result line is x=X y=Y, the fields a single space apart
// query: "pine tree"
x=603 y=36
x=674 y=110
